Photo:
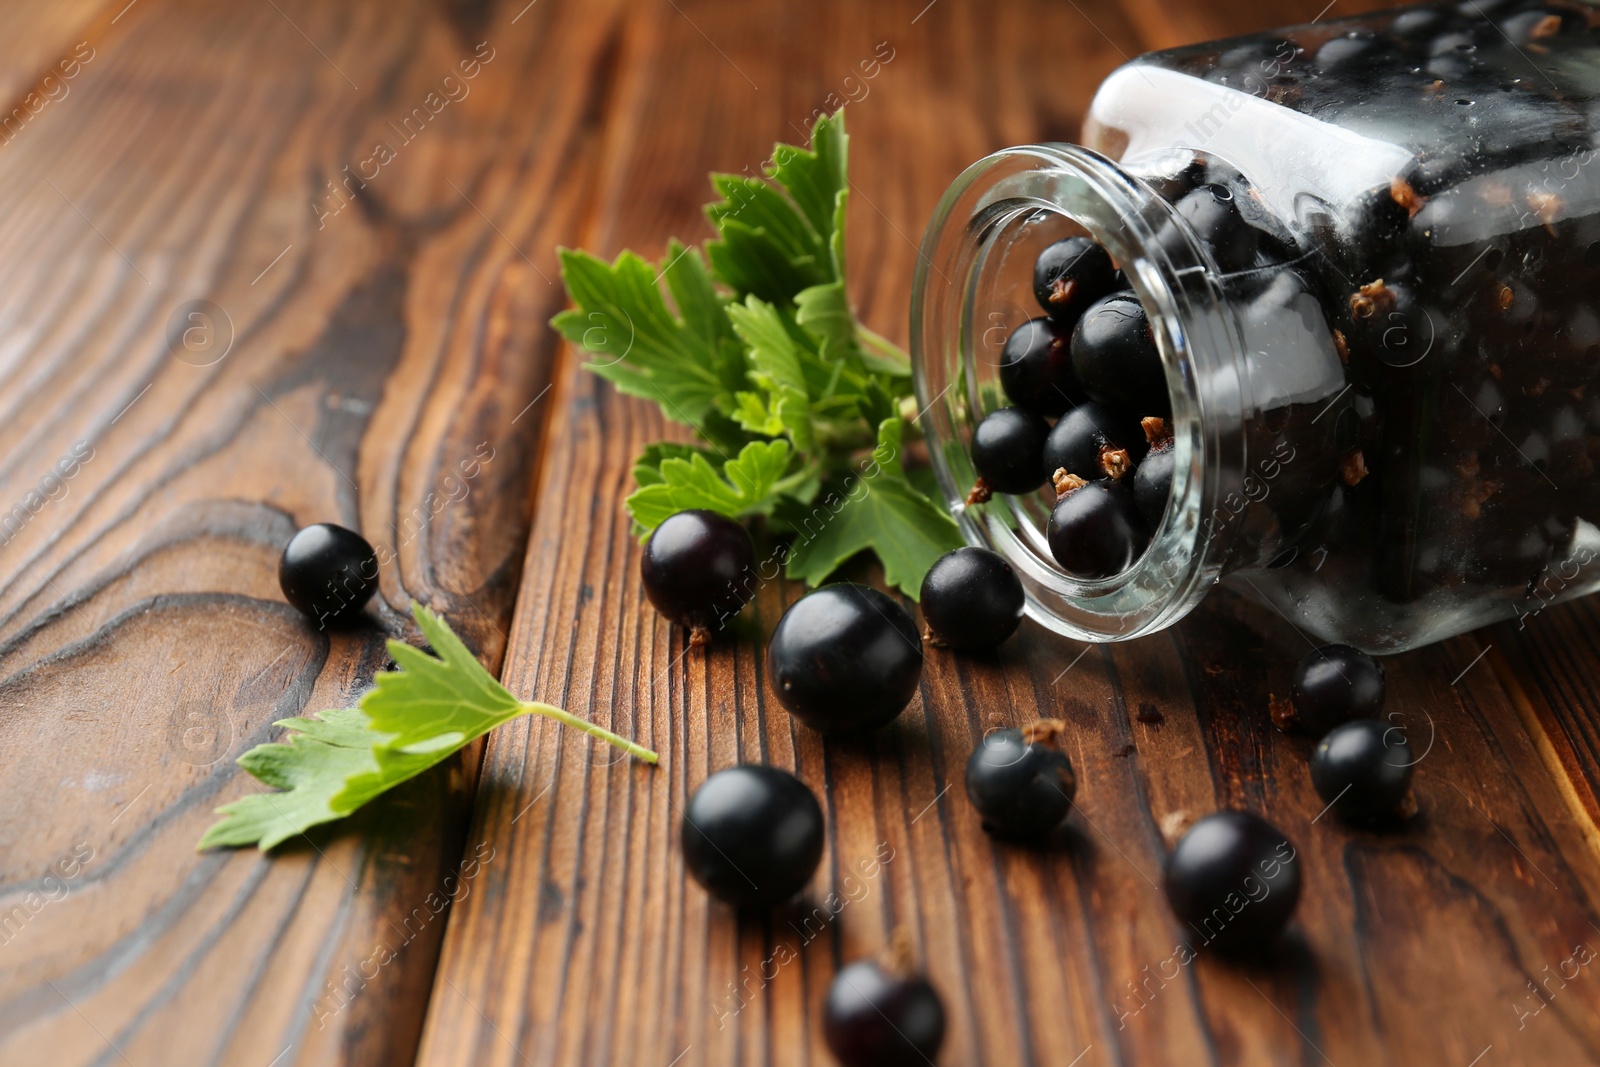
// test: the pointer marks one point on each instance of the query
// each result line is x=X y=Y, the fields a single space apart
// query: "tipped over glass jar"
x=1367 y=257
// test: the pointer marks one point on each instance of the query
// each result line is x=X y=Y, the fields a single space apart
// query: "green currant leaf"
x=690 y=366
x=334 y=762
x=749 y=484
x=876 y=508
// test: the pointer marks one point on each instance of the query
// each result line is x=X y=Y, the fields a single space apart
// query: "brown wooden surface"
x=143 y=643
x=143 y=640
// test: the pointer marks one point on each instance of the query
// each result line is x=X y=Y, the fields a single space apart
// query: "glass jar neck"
x=1211 y=525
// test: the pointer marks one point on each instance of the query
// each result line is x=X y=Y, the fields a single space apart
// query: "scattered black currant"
x=1115 y=357
x=1036 y=368
x=1095 y=530
x=845 y=658
x=1233 y=879
x=1363 y=769
x=1008 y=450
x=1094 y=440
x=1021 y=781
x=971 y=598
x=752 y=835
x=1334 y=684
x=881 y=1013
x=1070 y=275
x=328 y=573
x=697 y=568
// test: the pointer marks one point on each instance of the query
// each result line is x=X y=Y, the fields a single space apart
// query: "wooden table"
x=368 y=332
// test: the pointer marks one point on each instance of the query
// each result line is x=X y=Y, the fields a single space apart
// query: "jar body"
x=1385 y=372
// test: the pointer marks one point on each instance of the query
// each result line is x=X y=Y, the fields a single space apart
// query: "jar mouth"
x=968 y=293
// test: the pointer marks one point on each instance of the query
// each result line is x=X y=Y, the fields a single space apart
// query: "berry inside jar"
x=1312 y=314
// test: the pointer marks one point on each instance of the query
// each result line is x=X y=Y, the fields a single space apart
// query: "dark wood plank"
x=589 y=944
x=143 y=641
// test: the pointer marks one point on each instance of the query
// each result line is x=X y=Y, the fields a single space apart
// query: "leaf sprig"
x=798 y=404
x=333 y=762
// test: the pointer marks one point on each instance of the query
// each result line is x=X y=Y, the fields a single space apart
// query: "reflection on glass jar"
x=1369 y=254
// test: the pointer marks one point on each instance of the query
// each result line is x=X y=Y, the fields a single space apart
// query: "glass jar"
x=1382 y=371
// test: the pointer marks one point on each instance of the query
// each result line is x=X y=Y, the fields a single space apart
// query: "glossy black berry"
x=1070 y=275
x=1461 y=40
x=1036 y=368
x=1233 y=880
x=752 y=835
x=1115 y=357
x=1354 y=51
x=971 y=598
x=1419 y=22
x=1021 y=781
x=1080 y=440
x=1388 y=322
x=1152 y=484
x=1363 y=769
x=1008 y=450
x=698 y=570
x=1095 y=531
x=329 y=573
x=1527 y=27
x=1334 y=684
x=845 y=658
x=1213 y=213
x=877 y=1016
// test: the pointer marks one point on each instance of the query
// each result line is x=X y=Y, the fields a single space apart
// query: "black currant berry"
x=752 y=835
x=328 y=573
x=1095 y=531
x=1355 y=51
x=971 y=598
x=845 y=658
x=1115 y=357
x=1527 y=27
x=1070 y=275
x=1152 y=484
x=1334 y=684
x=698 y=570
x=1419 y=22
x=1461 y=40
x=883 y=1014
x=1363 y=769
x=1387 y=321
x=1213 y=213
x=1036 y=368
x=1094 y=440
x=1233 y=879
x=1008 y=451
x=1021 y=781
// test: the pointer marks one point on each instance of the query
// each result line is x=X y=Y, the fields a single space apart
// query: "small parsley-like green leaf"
x=748 y=484
x=763 y=355
x=881 y=511
x=334 y=762
x=647 y=468
x=687 y=365
x=310 y=766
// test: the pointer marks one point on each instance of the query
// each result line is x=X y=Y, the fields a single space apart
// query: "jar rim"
x=1199 y=341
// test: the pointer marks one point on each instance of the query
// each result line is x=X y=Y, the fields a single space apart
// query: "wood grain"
x=383 y=371
x=386 y=335
x=588 y=944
